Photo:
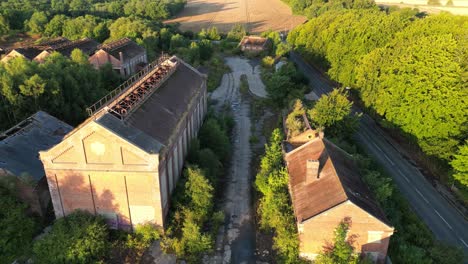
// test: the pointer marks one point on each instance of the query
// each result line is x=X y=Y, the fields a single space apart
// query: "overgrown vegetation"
x=81 y=237
x=193 y=212
x=61 y=86
x=315 y=8
x=392 y=60
x=413 y=242
x=341 y=251
x=78 y=238
x=284 y=85
x=275 y=208
x=17 y=228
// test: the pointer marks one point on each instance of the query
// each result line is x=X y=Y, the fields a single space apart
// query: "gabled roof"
x=162 y=111
x=29 y=53
x=87 y=45
x=339 y=181
x=52 y=43
x=20 y=145
x=254 y=40
x=127 y=46
x=152 y=123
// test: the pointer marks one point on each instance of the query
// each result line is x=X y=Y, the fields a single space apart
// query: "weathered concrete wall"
x=315 y=233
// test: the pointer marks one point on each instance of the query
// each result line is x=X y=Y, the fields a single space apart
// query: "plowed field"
x=256 y=15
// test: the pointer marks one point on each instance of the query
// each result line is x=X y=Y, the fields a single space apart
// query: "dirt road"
x=256 y=15
x=235 y=242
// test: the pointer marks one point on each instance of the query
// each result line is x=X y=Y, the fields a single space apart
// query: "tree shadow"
x=77 y=190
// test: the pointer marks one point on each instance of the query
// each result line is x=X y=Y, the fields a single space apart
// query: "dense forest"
x=409 y=68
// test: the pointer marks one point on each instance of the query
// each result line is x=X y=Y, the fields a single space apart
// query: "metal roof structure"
x=20 y=145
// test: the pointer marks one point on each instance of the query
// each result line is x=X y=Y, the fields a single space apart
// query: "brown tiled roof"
x=339 y=181
x=127 y=46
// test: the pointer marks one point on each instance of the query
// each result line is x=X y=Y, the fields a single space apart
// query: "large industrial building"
x=125 y=160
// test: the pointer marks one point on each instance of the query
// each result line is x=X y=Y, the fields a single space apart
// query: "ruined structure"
x=39 y=52
x=326 y=188
x=19 y=157
x=125 y=160
x=125 y=55
x=254 y=44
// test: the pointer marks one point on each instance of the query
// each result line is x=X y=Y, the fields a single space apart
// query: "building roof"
x=162 y=111
x=127 y=46
x=29 y=53
x=52 y=43
x=87 y=45
x=152 y=120
x=20 y=145
x=254 y=40
x=339 y=181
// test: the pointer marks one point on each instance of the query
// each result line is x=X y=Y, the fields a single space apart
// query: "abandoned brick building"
x=125 y=56
x=39 y=52
x=125 y=160
x=254 y=44
x=326 y=188
x=19 y=157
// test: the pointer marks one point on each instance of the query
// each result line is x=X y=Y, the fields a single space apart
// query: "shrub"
x=16 y=228
x=268 y=62
x=78 y=238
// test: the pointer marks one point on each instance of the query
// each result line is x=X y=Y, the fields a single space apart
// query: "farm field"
x=256 y=15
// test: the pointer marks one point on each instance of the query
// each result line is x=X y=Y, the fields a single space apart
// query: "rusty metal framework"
x=128 y=96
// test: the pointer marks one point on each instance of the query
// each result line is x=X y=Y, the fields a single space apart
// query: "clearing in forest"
x=256 y=15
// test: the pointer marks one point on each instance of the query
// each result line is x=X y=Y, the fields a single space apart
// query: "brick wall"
x=317 y=231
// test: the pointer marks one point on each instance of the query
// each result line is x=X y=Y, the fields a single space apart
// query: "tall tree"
x=460 y=164
x=330 y=109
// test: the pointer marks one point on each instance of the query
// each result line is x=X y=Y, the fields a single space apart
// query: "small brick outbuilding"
x=326 y=188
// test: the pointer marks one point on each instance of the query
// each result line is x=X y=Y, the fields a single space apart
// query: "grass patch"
x=244 y=84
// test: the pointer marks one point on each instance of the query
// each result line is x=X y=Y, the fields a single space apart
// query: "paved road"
x=444 y=221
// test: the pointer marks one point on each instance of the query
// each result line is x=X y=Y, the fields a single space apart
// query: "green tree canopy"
x=78 y=238
x=17 y=229
x=330 y=109
x=37 y=22
x=460 y=164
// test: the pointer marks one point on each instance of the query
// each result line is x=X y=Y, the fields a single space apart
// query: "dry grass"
x=256 y=15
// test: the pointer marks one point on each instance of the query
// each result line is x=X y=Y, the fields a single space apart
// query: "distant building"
x=326 y=188
x=254 y=44
x=125 y=160
x=39 y=52
x=19 y=156
x=87 y=46
x=125 y=56
x=28 y=53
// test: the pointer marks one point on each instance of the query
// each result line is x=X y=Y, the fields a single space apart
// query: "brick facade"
x=98 y=169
